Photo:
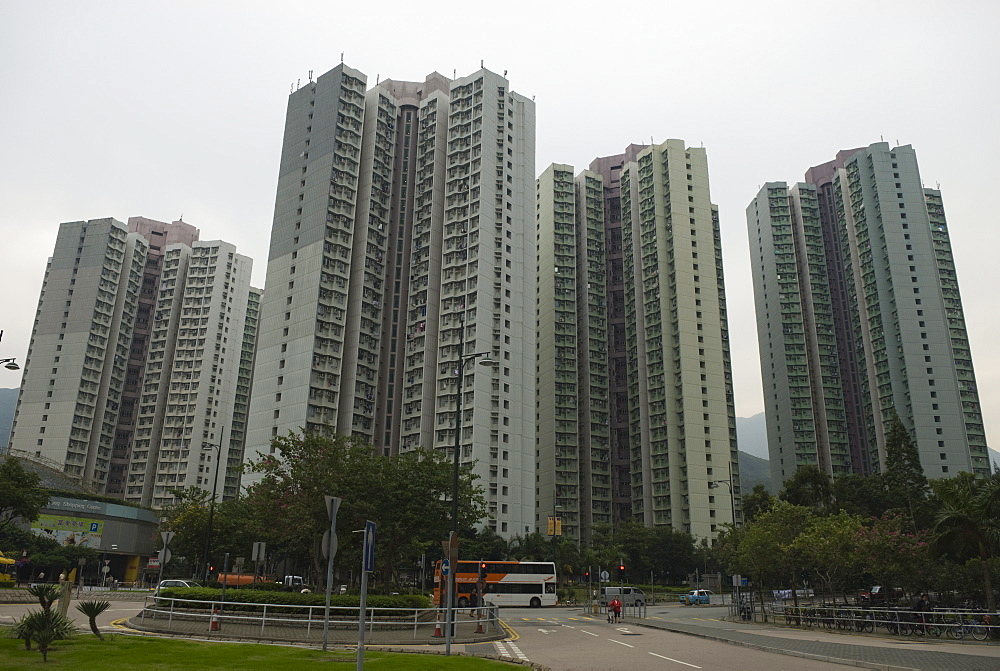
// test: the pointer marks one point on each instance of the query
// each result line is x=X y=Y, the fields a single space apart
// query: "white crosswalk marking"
x=501 y=649
x=517 y=651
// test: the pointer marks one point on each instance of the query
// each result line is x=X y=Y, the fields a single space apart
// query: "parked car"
x=172 y=583
x=696 y=597
x=629 y=596
x=880 y=595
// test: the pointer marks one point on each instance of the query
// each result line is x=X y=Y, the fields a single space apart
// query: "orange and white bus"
x=505 y=583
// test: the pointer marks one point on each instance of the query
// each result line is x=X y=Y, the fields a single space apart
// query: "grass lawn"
x=118 y=652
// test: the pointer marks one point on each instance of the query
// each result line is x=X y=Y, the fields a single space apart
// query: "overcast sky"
x=119 y=109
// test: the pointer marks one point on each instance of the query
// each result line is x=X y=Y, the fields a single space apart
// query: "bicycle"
x=961 y=627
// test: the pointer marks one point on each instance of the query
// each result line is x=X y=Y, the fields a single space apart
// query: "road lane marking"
x=670 y=659
x=620 y=643
x=588 y=633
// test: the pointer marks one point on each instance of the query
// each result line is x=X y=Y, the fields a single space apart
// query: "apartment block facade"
x=859 y=318
x=400 y=243
x=115 y=305
x=573 y=463
x=670 y=348
x=188 y=426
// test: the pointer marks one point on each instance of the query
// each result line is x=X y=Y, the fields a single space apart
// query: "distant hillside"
x=8 y=401
x=751 y=434
x=754 y=471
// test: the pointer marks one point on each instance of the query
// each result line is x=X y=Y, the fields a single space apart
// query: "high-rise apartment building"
x=75 y=370
x=674 y=368
x=193 y=383
x=859 y=318
x=159 y=235
x=115 y=336
x=402 y=241
x=573 y=463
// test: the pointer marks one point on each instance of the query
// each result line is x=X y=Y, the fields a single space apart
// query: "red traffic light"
x=621 y=567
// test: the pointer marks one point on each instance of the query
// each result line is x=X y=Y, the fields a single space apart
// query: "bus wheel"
x=463 y=602
x=536 y=602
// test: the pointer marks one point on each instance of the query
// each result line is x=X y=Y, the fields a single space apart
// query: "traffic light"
x=482 y=569
x=621 y=567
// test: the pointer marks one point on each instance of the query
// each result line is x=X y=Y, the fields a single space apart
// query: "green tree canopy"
x=757 y=502
x=811 y=488
x=967 y=524
x=904 y=480
x=829 y=549
x=408 y=496
x=21 y=494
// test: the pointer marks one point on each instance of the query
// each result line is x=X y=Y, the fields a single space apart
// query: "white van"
x=629 y=596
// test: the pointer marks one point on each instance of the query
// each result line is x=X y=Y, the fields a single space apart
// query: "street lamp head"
x=487 y=361
x=713 y=485
x=11 y=365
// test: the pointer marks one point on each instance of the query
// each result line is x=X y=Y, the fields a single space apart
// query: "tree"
x=809 y=487
x=767 y=551
x=407 y=495
x=860 y=495
x=757 y=502
x=829 y=549
x=893 y=555
x=904 y=478
x=966 y=524
x=21 y=495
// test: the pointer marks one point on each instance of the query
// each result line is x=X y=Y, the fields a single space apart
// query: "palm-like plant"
x=966 y=522
x=43 y=627
x=92 y=609
x=46 y=595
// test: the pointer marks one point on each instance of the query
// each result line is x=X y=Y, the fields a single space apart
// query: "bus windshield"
x=504 y=583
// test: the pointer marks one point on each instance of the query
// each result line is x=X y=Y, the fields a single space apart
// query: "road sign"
x=167 y=536
x=95 y=527
x=604 y=576
x=369 y=558
x=259 y=550
x=105 y=569
x=445 y=567
x=164 y=556
x=330 y=537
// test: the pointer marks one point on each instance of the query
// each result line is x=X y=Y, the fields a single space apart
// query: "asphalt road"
x=567 y=639
x=12 y=612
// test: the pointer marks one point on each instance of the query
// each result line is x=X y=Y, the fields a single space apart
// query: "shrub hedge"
x=253 y=599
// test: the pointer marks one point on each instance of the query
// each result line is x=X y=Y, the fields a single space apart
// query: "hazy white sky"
x=118 y=109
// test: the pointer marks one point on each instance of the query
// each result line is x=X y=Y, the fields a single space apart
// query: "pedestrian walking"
x=616 y=609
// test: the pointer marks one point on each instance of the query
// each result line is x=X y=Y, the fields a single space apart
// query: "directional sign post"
x=367 y=565
x=445 y=567
x=167 y=536
x=330 y=550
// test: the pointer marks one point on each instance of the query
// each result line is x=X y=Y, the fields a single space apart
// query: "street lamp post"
x=714 y=484
x=11 y=363
x=463 y=358
x=215 y=486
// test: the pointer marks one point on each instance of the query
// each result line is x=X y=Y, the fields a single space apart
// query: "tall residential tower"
x=672 y=344
x=140 y=341
x=859 y=318
x=402 y=240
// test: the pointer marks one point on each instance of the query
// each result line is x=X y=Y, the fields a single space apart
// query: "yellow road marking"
x=117 y=624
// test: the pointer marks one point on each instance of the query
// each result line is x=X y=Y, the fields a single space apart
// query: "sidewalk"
x=890 y=654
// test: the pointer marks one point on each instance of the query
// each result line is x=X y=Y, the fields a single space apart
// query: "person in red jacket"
x=615 y=609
